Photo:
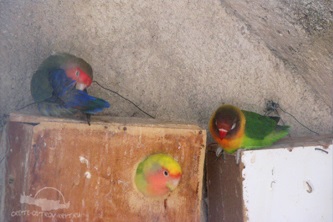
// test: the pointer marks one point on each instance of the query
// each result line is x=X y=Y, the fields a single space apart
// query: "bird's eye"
x=77 y=73
x=233 y=126
x=166 y=173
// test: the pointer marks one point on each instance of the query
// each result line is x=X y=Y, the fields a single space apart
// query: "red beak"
x=222 y=133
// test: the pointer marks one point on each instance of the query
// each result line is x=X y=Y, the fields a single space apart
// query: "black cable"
x=272 y=106
x=105 y=89
x=30 y=104
x=298 y=121
x=124 y=99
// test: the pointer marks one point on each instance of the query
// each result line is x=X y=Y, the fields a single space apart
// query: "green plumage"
x=151 y=164
x=40 y=85
x=150 y=178
x=261 y=131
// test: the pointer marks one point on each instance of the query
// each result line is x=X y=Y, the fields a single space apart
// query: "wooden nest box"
x=65 y=170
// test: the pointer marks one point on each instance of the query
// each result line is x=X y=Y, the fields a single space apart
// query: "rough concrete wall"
x=298 y=32
x=178 y=60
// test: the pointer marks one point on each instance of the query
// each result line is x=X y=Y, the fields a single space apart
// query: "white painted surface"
x=277 y=185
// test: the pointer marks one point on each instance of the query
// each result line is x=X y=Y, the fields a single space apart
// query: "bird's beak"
x=222 y=133
x=80 y=86
x=172 y=184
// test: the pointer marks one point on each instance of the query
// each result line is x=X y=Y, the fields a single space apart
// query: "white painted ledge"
x=288 y=184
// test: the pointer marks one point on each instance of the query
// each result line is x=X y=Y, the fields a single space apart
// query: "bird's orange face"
x=83 y=80
x=162 y=181
x=225 y=124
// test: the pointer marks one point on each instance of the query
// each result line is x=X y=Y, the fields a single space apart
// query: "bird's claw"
x=219 y=152
x=238 y=155
x=214 y=147
x=88 y=118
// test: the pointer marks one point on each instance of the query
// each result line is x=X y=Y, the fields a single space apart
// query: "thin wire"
x=277 y=112
x=124 y=99
x=105 y=89
x=272 y=106
x=30 y=104
x=298 y=121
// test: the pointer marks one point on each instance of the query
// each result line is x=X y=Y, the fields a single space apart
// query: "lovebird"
x=235 y=129
x=157 y=175
x=59 y=87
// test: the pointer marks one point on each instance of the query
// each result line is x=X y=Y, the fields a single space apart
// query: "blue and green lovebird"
x=157 y=175
x=59 y=87
x=235 y=129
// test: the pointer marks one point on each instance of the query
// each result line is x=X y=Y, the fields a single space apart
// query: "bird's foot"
x=219 y=152
x=238 y=155
x=214 y=147
x=88 y=117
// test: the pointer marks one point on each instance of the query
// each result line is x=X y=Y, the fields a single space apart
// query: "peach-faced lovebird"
x=59 y=87
x=233 y=129
x=157 y=175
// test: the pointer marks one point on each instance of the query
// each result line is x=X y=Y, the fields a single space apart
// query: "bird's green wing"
x=258 y=126
x=40 y=86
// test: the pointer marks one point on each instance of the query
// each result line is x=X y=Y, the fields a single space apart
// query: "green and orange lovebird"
x=157 y=175
x=59 y=87
x=235 y=129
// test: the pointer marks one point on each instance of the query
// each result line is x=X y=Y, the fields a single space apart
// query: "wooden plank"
x=225 y=179
x=35 y=119
x=17 y=136
x=81 y=172
x=224 y=189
